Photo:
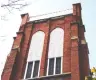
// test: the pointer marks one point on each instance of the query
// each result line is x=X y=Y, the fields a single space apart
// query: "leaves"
x=93 y=70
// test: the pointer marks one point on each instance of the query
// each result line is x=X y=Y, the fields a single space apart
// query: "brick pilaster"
x=44 y=58
x=67 y=49
x=75 y=69
x=84 y=60
x=22 y=58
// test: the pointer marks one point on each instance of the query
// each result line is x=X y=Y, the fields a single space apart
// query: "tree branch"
x=17 y=4
x=13 y=5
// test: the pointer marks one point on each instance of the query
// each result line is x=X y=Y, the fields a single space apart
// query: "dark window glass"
x=58 y=66
x=36 y=68
x=29 y=69
x=51 y=66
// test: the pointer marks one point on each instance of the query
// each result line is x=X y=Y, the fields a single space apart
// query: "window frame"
x=54 y=65
x=27 y=68
x=32 y=69
x=35 y=69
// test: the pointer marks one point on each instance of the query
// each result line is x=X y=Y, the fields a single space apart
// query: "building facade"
x=49 y=49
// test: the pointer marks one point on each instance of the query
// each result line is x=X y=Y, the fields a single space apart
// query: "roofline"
x=50 y=18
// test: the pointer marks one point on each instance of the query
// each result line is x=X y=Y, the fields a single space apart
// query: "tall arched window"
x=55 y=52
x=34 y=55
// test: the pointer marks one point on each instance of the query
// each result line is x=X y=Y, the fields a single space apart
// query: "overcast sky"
x=10 y=26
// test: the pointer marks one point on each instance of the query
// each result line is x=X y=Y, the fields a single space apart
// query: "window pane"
x=58 y=66
x=29 y=69
x=36 y=68
x=51 y=66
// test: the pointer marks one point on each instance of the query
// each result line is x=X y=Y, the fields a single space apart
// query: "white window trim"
x=55 y=65
x=61 y=64
x=39 y=68
x=32 y=69
x=26 y=70
x=47 y=66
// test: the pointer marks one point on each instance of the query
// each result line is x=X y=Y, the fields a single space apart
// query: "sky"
x=11 y=24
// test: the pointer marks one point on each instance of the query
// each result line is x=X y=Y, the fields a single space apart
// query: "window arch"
x=36 y=46
x=55 y=52
x=34 y=55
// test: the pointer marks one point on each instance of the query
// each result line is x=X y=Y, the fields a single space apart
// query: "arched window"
x=55 y=52
x=34 y=55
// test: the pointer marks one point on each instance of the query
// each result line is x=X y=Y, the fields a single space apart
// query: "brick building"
x=60 y=49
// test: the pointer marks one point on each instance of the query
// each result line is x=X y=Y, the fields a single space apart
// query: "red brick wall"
x=75 y=54
x=84 y=60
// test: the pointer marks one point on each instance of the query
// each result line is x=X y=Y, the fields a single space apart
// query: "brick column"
x=77 y=9
x=84 y=60
x=75 y=71
x=22 y=57
x=43 y=67
x=25 y=47
x=75 y=60
x=67 y=49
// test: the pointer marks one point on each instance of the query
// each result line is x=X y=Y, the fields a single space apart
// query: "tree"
x=13 y=5
x=93 y=71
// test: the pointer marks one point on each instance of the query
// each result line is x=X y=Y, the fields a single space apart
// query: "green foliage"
x=94 y=79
